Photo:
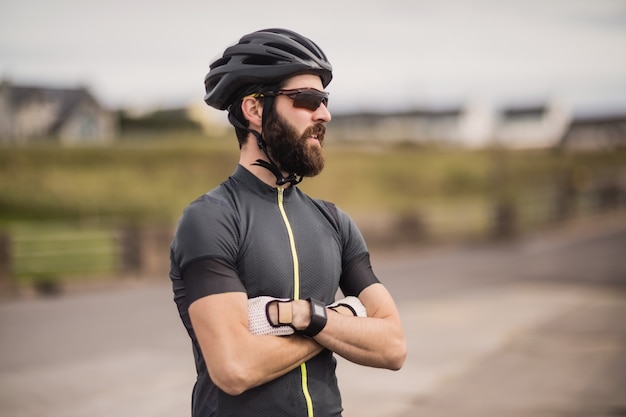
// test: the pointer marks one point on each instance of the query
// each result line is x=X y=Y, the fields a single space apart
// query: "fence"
x=494 y=218
x=45 y=255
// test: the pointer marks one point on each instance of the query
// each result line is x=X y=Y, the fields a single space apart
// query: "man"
x=256 y=263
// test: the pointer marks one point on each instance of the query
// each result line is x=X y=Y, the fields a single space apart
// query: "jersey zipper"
x=296 y=294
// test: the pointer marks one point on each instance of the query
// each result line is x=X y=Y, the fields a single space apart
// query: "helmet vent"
x=292 y=51
x=222 y=61
x=259 y=60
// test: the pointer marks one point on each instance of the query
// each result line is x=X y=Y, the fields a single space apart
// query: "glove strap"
x=348 y=306
x=285 y=313
x=353 y=304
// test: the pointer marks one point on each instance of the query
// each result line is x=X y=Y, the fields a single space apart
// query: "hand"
x=295 y=313
x=258 y=317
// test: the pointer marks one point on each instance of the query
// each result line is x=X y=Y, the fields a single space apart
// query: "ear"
x=253 y=112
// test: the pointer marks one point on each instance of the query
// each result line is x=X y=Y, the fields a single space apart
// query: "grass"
x=60 y=204
x=150 y=182
x=139 y=183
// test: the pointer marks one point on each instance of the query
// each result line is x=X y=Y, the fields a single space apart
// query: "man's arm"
x=376 y=340
x=236 y=359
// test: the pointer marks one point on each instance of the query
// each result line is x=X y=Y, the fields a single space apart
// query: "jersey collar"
x=253 y=183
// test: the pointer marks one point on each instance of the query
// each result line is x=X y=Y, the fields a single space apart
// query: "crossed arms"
x=238 y=360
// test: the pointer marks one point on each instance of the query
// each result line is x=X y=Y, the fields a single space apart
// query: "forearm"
x=236 y=359
x=261 y=359
x=370 y=341
x=376 y=340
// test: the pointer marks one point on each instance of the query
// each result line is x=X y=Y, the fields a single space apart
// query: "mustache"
x=318 y=129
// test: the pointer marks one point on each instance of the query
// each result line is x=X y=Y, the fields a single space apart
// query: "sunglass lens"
x=310 y=101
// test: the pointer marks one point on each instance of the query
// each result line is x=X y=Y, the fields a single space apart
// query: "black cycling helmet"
x=266 y=56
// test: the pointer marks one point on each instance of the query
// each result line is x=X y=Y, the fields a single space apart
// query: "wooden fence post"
x=130 y=247
x=504 y=224
x=7 y=285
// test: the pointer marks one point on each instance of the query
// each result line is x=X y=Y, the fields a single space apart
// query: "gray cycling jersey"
x=247 y=236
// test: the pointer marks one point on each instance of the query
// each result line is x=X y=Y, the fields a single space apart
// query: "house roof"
x=519 y=112
x=599 y=119
x=431 y=113
x=67 y=99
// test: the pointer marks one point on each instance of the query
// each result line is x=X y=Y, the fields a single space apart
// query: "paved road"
x=529 y=328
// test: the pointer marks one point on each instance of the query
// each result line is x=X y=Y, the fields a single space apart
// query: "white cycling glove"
x=352 y=303
x=259 y=322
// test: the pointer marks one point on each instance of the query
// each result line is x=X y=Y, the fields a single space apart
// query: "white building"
x=475 y=125
x=67 y=115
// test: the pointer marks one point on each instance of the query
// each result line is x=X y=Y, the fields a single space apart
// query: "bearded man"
x=256 y=264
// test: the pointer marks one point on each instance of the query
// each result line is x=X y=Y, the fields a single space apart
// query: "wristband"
x=318 y=318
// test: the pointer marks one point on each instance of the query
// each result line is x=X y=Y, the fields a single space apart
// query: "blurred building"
x=598 y=131
x=479 y=124
x=538 y=125
x=68 y=116
x=420 y=125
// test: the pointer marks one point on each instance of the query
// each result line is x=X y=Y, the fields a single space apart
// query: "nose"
x=322 y=114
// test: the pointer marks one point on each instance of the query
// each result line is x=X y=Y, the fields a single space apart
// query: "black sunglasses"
x=303 y=98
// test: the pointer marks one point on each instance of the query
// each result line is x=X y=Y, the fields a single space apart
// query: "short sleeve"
x=204 y=248
x=357 y=273
x=208 y=228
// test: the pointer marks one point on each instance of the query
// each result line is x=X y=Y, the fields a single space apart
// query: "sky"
x=386 y=55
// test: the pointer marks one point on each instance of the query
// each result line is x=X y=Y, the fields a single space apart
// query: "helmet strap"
x=271 y=165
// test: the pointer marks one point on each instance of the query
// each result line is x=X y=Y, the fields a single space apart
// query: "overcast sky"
x=385 y=54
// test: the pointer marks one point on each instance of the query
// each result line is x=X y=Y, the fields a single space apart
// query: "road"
x=526 y=328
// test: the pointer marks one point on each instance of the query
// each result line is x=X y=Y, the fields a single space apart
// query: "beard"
x=291 y=151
